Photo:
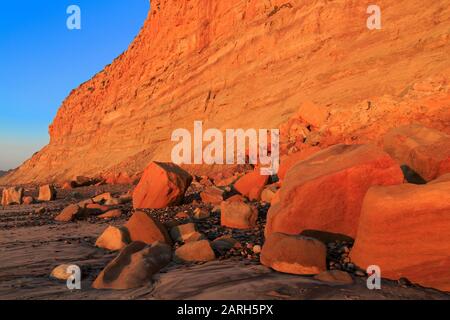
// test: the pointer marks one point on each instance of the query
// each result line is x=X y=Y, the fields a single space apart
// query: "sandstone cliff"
x=251 y=63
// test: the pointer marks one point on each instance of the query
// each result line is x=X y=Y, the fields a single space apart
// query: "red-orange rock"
x=252 y=184
x=405 y=230
x=71 y=213
x=134 y=266
x=195 y=251
x=313 y=114
x=28 y=200
x=238 y=215
x=424 y=150
x=325 y=192
x=294 y=254
x=142 y=227
x=47 y=193
x=97 y=208
x=162 y=185
x=288 y=161
x=11 y=196
x=212 y=195
x=113 y=238
x=115 y=213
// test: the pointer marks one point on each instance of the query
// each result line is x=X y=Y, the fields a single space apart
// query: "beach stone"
x=134 y=267
x=144 y=228
x=294 y=254
x=47 y=193
x=195 y=251
x=71 y=213
x=212 y=195
x=115 y=213
x=113 y=238
x=238 y=215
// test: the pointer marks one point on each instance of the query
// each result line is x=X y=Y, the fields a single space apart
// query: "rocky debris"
x=238 y=215
x=294 y=254
x=212 y=195
x=404 y=230
x=201 y=214
x=184 y=232
x=71 y=213
x=47 y=193
x=11 y=196
x=28 y=200
x=197 y=251
x=142 y=227
x=81 y=181
x=61 y=272
x=325 y=191
x=426 y=151
x=134 y=266
x=102 y=198
x=269 y=193
x=113 y=238
x=252 y=184
x=111 y=214
x=335 y=277
x=162 y=185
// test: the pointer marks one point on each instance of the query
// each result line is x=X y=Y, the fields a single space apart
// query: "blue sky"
x=41 y=61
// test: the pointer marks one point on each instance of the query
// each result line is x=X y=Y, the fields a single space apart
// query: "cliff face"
x=244 y=63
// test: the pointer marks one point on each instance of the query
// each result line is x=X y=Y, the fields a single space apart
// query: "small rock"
x=257 y=249
x=70 y=213
x=195 y=251
x=115 y=213
x=212 y=195
x=40 y=210
x=102 y=198
x=28 y=200
x=61 y=272
x=238 y=215
x=201 y=213
x=113 y=238
x=11 y=196
x=144 y=228
x=183 y=232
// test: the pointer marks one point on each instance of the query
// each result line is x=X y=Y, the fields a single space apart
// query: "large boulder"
x=288 y=161
x=238 y=214
x=405 y=230
x=325 y=191
x=134 y=266
x=142 y=227
x=252 y=184
x=11 y=196
x=426 y=151
x=294 y=254
x=162 y=185
x=47 y=193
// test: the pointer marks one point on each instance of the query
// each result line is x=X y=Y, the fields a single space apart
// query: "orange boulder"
x=325 y=192
x=142 y=227
x=288 y=161
x=11 y=196
x=47 y=193
x=238 y=214
x=252 y=184
x=162 y=185
x=426 y=151
x=405 y=230
x=294 y=254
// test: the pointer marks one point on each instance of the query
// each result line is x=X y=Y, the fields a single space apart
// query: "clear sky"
x=41 y=61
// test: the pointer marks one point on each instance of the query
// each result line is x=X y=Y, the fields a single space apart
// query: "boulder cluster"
x=332 y=212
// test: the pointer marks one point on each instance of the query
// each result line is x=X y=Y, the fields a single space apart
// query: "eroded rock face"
x=134 y=266
x=404 y=230
x=162 y=185
x=11 y=196
x=294 y=254
x=426 y=151
x=133 y=105
x=325 y=192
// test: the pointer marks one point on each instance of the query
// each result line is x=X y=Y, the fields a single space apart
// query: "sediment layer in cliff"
x=251 y=63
